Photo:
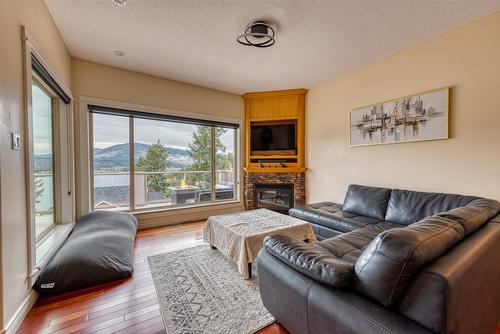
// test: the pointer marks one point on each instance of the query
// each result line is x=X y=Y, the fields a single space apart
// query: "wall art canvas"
x=412 y=118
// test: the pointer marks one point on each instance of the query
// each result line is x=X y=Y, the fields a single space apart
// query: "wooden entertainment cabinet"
x=284 y=107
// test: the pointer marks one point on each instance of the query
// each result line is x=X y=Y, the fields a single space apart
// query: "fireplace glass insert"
x=276 y=197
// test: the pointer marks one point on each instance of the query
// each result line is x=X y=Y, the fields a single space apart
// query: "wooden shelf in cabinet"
x=288 y=119
x=274 y=170
x=268 y=157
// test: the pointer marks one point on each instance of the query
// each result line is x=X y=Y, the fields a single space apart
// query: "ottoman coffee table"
x=239 y=236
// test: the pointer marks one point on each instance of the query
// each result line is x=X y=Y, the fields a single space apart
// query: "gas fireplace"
x=274 y=191
x=276 y=197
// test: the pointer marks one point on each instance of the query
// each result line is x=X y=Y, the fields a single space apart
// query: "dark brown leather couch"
x=399 y=261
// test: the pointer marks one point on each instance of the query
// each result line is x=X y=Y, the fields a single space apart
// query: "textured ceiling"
x=194 y=41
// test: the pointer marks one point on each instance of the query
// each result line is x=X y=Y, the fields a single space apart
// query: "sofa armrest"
x=304 y=306
x=310 y=260
x=459 y=292
x=495 y=219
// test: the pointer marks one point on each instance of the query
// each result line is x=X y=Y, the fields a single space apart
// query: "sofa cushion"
x=349 y=246
x=332 y=216
x=407 y=207
x=385 y=267
x=367 y=201
x=312 y=212
x=311 y=260
x=323 y=232
x=345 y=221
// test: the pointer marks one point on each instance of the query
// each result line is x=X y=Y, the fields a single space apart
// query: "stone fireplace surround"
x=298 y=180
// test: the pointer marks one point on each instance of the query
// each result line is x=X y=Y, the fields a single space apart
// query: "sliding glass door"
x=43 y=159
x=174 y=163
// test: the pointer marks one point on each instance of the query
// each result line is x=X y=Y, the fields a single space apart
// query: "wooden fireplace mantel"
x=275 y=170
x=276 y=107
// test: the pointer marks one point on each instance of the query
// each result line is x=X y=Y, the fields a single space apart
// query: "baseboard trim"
x=21 y=313
x=166 y=220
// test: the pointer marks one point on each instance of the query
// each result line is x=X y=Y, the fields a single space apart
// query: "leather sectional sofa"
x=388 y=261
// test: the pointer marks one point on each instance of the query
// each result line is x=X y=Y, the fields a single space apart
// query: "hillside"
x=116 y=157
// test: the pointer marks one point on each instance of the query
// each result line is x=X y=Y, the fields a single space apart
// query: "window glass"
x=225 y=185
x=111 y=162
x=43 y=176
x=172 y=163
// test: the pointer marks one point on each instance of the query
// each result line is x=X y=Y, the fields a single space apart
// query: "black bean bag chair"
x=98 y=250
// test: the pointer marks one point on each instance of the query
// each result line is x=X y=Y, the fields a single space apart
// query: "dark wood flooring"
x=128 y=306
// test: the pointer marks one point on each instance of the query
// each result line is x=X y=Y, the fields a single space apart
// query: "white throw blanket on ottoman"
x=239 y=236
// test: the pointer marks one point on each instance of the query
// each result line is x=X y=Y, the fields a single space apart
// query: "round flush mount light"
x=259 y=34
x=119 y=53
x=120 y=2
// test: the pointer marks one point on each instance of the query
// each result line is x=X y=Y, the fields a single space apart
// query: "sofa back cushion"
x=385 y=267
x=407 y=207
x=367 y=201
x=473 y=215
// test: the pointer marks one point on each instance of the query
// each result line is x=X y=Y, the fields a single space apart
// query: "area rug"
x=200 y=291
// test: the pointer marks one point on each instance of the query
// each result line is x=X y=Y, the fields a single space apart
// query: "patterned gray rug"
x=200 y=291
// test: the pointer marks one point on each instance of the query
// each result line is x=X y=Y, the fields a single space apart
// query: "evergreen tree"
x=155 y=160
x=39 y=189
x=199 y=151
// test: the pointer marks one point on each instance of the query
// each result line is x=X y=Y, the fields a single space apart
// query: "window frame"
x=54 y=110
x=41 y=250
x=173 y=114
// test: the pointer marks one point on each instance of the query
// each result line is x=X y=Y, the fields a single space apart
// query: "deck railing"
x=153 y=189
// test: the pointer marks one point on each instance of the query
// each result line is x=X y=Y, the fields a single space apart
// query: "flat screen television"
x=273 y=139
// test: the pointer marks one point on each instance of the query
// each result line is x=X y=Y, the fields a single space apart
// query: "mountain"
x=43 y=163
x=116 y=156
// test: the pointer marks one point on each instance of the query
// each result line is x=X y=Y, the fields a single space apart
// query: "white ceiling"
x=194 y=41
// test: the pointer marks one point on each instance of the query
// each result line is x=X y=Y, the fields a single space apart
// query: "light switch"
x=16 y=141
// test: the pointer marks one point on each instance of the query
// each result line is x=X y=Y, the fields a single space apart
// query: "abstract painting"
x=413 y=118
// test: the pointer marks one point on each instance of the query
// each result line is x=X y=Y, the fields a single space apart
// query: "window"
x=176 y=162
x=225 y=180
x=50 y=169
x=111 y=161
x=43 y=155
x=47 y=145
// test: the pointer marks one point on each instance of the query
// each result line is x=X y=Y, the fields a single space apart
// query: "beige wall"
x=468 y=61
x=110 y=83
x=14 y=248
x=92 y=80
x=96 y=80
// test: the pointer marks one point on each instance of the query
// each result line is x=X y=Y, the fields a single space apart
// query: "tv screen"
x=276 y=137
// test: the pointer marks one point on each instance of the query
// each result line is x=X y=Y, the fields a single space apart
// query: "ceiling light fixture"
x=119 y=53
x=120 y=2
x=259 y=34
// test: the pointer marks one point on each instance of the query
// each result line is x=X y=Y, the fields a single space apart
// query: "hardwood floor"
x=127 y=306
